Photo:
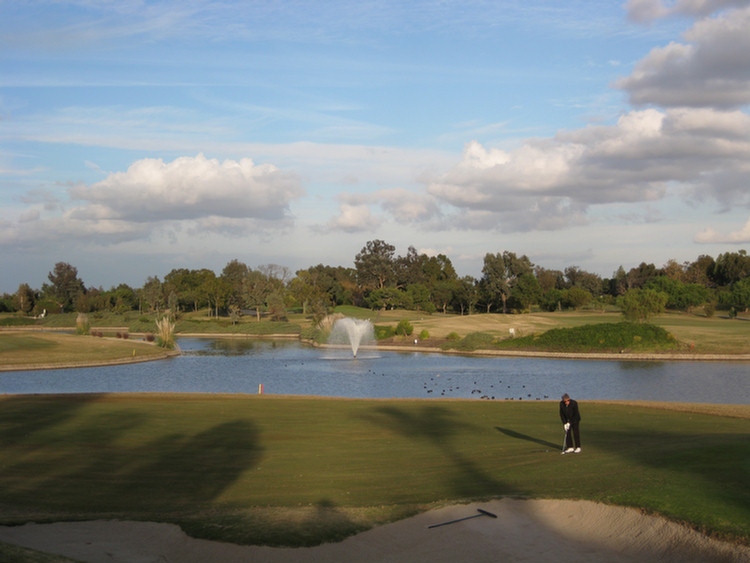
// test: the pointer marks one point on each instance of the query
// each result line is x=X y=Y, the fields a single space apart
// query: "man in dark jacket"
x=571 y=419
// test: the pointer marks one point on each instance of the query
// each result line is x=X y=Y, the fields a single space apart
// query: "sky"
x=141 y=136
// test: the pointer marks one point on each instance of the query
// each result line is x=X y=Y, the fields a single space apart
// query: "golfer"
x=571 y=418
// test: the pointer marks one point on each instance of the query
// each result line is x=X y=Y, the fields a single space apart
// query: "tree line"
x=380 y=279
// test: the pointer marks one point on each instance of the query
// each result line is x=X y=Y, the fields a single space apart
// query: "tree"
x=731 y=267
x=276 y=306
x=500 y=273
x=217 y=291
x=259 y=284
x=442 y=293
x=638 y=277
x=66 y=285
x=681 y=296
x=25 y=298
x=578 y=297
x=465 y=295
x=375 y=265
x=699 y=271
x=741 y=294
x=386 y=298
x=549 y=279
x=618 y=285
x=639 y=305
x=674 y=270
x=410 y=269
x=526 y=291
x=124 y=298
x=234 y=275
x=583 y=279
x=418 y=295
x=152 y=294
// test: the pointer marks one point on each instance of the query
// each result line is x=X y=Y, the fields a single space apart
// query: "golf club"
x=565 y=441
x=481 y=513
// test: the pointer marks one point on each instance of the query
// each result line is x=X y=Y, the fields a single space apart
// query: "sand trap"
x=531 y=530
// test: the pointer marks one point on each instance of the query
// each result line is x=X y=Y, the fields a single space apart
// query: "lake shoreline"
x=419 y=347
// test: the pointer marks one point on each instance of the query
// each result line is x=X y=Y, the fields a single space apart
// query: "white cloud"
x=711 y=70
x=711 y=236
x=153 y=198
x=407 y=206
x=550 y=183
x=189 y=188
x=351 y=219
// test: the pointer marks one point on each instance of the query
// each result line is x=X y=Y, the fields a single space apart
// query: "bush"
x=383 y=332
x=424 y=335
x=404 y=328
x=601 y=337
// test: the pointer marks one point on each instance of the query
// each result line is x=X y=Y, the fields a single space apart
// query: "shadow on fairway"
x=437 y=426
x=513 y=434
x=119 y=459
x=23 y=416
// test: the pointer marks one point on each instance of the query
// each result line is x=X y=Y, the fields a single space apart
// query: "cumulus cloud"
x=710 y=236
x=407 y=206
x=194 y=194
x=548 y=184
x=711 y=69
x=402 y=205
x=189 y=188
x=352 y=219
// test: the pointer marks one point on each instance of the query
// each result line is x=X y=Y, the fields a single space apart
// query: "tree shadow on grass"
x=517 y=435
x=437 y=426
x=22 y=416
x=114 y=460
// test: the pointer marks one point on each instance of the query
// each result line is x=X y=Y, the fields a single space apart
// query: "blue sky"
x=137 y=137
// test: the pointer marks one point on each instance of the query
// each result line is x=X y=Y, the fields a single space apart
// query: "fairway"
x=300 y=471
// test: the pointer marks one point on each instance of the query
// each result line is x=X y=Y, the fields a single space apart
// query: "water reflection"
x=287 y=367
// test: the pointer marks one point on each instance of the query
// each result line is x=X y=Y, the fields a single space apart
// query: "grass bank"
x=299 y=471
x=21 y=350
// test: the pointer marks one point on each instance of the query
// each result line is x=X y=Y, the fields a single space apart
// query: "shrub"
x=404 y=328
x=424 y=335
x=600 y=337
x=383 y=332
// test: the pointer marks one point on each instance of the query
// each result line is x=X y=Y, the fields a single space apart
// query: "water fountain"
x=354 y=332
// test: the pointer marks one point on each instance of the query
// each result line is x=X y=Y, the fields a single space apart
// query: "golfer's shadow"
x=519 y=436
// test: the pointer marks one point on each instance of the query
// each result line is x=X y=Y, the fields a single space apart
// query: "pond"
x=292 y=368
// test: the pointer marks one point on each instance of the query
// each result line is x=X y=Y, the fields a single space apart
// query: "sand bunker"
x=525 y=530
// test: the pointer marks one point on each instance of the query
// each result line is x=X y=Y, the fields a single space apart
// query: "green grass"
x=300 y=471
x=29 y=349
